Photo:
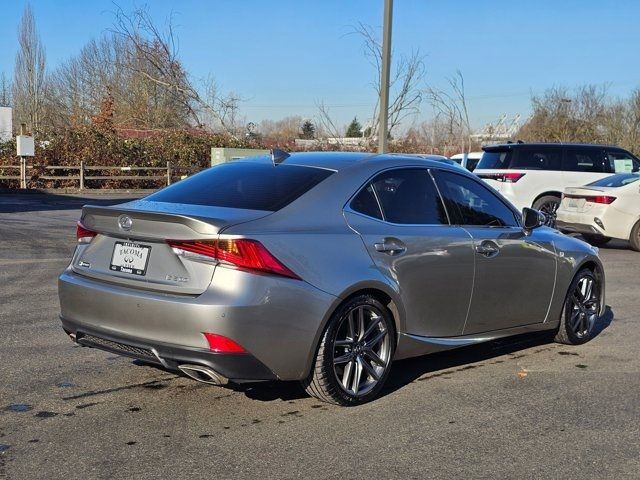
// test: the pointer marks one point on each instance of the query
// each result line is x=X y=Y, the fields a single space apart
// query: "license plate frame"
x=139 y=255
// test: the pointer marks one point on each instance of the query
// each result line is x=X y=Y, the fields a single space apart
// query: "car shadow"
x=404 y=372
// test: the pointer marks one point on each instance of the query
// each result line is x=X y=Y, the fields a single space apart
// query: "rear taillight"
x=83 y=234
x=220 y=344
x=241 y=253
x=508 y=177
x=602 y=199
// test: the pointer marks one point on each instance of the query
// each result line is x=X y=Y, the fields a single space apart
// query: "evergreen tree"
x=308 y=130
x=354 y=130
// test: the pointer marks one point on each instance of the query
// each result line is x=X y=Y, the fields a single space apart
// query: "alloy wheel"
x=583 y=307
x=550 y=212
x=361 y=350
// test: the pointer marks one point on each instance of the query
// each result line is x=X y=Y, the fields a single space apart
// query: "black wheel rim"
x=550 y=210
x=583 y=307
x=361 y=350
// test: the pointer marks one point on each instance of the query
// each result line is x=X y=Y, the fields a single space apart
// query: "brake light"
x=507 y=177
x=220 y=344
x=83 y=234
x=602 y=199
x=241 y=253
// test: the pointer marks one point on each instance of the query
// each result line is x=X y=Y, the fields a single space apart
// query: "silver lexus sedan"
x=322 y=268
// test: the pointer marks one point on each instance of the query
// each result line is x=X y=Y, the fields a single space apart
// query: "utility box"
x=25 y=146
x=222 y=155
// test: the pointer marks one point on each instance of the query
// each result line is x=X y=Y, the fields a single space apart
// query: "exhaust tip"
x=203 y=374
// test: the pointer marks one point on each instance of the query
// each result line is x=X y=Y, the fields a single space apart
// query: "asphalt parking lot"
x=523 y=408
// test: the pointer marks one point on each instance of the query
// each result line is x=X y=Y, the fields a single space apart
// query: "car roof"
x=500 y=146
x=343 y=160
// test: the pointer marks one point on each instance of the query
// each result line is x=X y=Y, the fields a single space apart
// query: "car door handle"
x=487 y=249
x=390 y=246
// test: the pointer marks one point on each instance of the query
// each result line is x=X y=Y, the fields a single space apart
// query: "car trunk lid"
x=130 y=246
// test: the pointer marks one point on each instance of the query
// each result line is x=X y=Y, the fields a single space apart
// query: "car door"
x=405 y=228
x=514 y=272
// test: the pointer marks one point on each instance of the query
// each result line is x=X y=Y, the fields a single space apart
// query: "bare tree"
x=451 y=109
x=404 y=87
x=29 y=72
x=326 y=125
x=405 y=90
x=159 y=51
x=5 y=91
x=578 y=115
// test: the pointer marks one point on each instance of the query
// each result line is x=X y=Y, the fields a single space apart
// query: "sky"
x=284 y=57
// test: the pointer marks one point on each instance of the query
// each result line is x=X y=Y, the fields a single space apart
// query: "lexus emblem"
x=125 y=222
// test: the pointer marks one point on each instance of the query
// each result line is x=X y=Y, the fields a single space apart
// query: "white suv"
x=536 y=174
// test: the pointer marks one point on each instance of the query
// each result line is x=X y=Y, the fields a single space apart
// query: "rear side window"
x=619 y=180
x=246 y=185
x=495 y=159
x=621 y=161
x=366 y=203
x=530 y=158
x=472 y=203
x=583 y=160
x=407 y=196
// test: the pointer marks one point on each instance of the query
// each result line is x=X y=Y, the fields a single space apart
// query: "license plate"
x=573 y=203
x=130 y=258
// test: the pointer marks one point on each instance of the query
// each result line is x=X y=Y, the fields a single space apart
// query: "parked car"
x=322 y=268
x=437 y=158
x=467 y=160
x=536 y=174
x=604 y=209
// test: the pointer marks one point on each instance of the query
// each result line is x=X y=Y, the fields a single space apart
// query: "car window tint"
x=247 y=185
x=621 y=162
x=365 y=202
x=531 y=158
x=409 y=196
x=583 y=160
x=472 y=203
x=495 y=159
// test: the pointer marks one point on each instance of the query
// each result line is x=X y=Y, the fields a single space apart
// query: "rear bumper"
x=238 y=367
x=277 y=320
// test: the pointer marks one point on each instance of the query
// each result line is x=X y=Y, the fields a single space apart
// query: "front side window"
x=406 y=196
x=472 y=203
x=622 y=162
x=583 y=160
x=531 y=158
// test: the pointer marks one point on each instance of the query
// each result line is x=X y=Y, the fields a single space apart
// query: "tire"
x=579 y=313
x=596 y=240
x=549 y=206
x=351 y=343
x=634 y=238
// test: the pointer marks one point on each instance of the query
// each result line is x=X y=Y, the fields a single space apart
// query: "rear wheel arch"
x=551 y=193
x=381 y=292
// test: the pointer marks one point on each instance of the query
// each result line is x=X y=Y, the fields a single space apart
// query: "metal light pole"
x=383 y=124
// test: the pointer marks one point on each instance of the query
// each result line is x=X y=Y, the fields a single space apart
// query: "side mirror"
x=531 y=219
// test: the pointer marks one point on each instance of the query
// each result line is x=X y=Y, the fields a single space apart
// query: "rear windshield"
x=246 y=185
x=619 y=180
x=495 y=159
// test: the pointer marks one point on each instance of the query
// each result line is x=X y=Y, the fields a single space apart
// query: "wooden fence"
x=92 y=173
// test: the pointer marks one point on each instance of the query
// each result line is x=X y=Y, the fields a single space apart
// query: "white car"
x=536 y=174
x=467 y=160
x=605 y=209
